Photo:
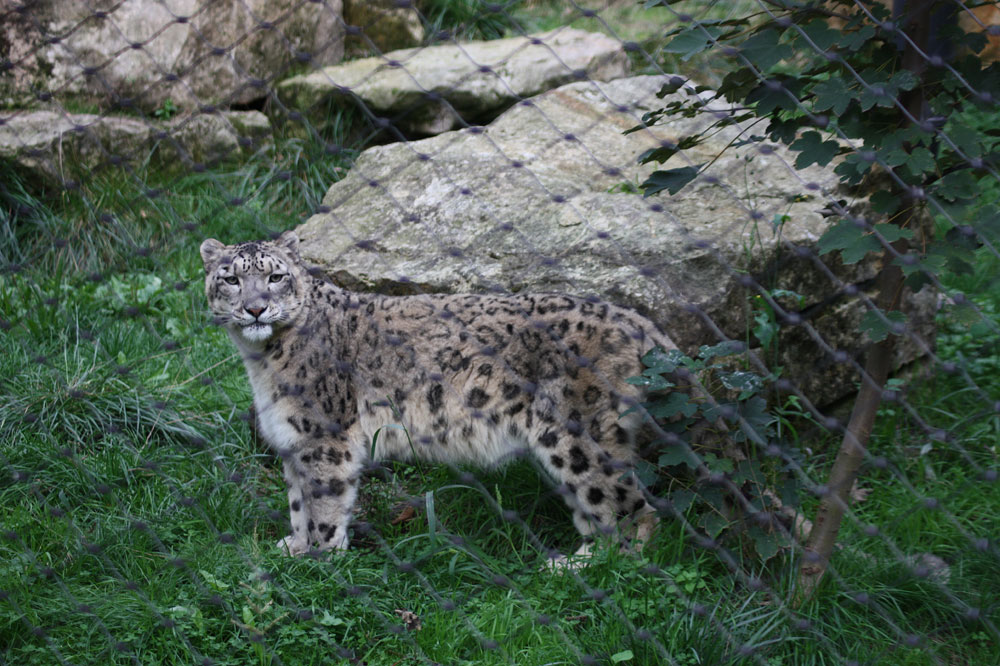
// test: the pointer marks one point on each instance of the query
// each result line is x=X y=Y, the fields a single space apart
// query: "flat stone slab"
x=52 y=148
x=543 y=199
x=433 y=89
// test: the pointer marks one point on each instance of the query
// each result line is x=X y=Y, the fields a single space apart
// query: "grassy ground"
x=138 y=514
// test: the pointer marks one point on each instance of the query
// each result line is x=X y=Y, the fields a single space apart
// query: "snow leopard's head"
x=254 y=288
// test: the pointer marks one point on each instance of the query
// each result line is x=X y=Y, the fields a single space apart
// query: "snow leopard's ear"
x=289 y=241
x=211 y=250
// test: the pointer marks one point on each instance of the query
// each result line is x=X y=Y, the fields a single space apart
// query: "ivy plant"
x=730 y=494
x=884 y=100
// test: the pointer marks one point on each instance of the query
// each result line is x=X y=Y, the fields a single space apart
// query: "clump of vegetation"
x=890 y=99
x=467 y=19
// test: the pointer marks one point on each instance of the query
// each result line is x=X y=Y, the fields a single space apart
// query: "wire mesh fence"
x=491 y=280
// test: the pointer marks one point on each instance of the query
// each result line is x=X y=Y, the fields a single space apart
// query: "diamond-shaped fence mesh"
x=570 y=358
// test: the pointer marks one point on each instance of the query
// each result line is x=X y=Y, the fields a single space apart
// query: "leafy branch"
x=881 y=99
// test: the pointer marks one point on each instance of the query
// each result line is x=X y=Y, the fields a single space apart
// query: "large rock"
x=145 y=52
x=51 y=148
x=541 y=200
x=438 y=88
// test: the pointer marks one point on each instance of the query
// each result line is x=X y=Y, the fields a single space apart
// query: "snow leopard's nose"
x=255 y=311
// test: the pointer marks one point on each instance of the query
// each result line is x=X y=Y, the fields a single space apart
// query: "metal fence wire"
x=141 y=503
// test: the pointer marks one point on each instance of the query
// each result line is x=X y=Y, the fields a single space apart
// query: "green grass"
x=630 y=21
x=139 y=513
x=466 y=19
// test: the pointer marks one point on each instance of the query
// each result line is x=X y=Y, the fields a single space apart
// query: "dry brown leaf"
x=410 y=619
x=859 y=494
x=406 y=514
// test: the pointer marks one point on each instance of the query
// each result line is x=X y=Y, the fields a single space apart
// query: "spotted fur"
x=476 y=379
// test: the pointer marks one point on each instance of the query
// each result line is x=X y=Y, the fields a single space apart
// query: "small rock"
x=53 y=148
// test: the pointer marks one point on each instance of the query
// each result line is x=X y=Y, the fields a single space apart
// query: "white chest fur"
x=272 y=416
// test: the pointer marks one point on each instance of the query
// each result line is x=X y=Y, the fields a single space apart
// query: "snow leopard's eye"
x=231 y=279
x=276 y=277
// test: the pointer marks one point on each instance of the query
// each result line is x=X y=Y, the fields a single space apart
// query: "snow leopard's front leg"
x=332 y=477
x=297 y=542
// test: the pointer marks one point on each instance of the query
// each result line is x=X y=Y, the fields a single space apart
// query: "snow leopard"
x=463 y=379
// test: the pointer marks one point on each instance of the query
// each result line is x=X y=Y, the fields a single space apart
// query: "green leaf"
x=821 y=35
x=681 y=499
x=713 y=524
x=934 y=260
x=716 y=464
x=853 y=242
x=659 y=361
x=875 y=93
x=746 y=382
x=893 y=233
x=671 y=180
x=814 y=150
x=329 y=620
x=957 y=185
x=152 y=286
x=904 y=79
x=660 y=154
x=653 y=383
x=875 y=325
x=767 y=544
x=831 y=94
x=675 y=456
x=764 y=51
x=793 y=296
x=765 y=329
x=757 y=420
x=987 y=223
x=884 y=202
x=727 y=348
x=673 y=405
x=670 y=87
x=920 y=161
x=852 y=168
x=784 y=131
x=624 y=655
x=694 y=40
x=748 y=470
x=736 y=85
x=975 y=41
x=895 y=157
x=214 y=582
x=853 y=41
x=917 y=280
x=966 y=139
x=645 y=471
x=768 y=101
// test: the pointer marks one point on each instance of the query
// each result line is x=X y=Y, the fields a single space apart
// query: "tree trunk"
x=915 y=19
x=836 y=498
